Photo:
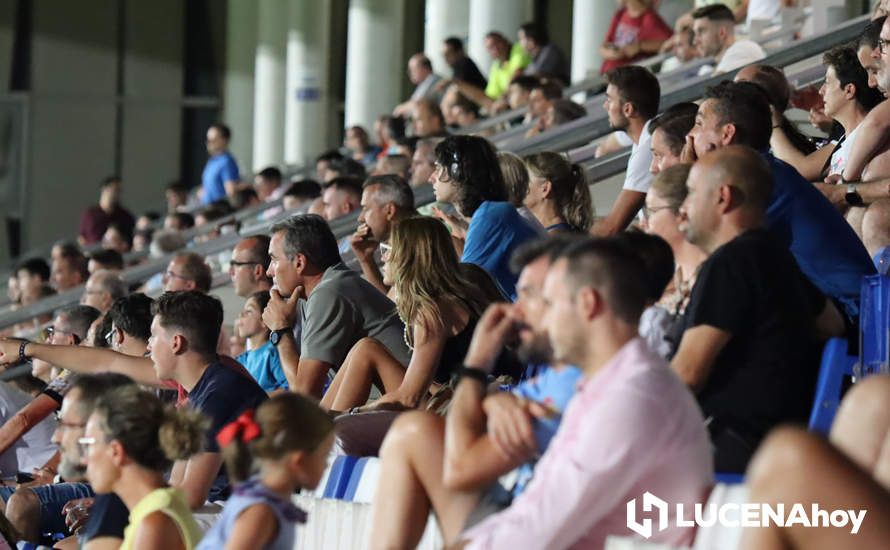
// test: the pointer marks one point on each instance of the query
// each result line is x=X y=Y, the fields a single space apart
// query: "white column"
x=374 y=59
x=590 y=23
x=444 y=18
x=503 y=16
x=306 y=101
x=238 y=89
x=268 y=119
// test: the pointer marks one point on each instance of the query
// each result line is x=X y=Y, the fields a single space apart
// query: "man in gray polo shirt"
x=338 y=306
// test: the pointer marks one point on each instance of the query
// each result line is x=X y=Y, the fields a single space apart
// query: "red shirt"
x=95 y=221
x=626 y=29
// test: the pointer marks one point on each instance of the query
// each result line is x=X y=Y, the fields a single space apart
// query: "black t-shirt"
x=752 y=288
x=109 y=517
x=222 y=394
x=467 y=71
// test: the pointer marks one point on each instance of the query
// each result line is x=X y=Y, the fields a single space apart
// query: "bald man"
x=750 y=348
x=420 y=73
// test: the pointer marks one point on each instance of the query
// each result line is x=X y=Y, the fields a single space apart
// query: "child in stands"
x=287 y=444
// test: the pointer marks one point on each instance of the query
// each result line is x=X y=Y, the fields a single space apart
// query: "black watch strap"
x=22 y=357
x=275 y=336
x=475 y=374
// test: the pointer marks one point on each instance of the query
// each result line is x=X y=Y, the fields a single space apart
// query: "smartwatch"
x=852 y=197
x=275 y=335
x=468 y=372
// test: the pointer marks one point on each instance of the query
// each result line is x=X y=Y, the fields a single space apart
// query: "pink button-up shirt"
x=632 y=427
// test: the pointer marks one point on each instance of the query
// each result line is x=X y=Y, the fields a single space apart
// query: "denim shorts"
x=52 y=499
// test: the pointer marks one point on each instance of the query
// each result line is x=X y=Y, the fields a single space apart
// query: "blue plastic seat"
x=836 y=366
x=355 y=478
x=729 y=479
x=874 y=325
x=338 y=480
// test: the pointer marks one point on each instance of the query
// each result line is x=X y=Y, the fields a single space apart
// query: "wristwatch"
x=275 y=335
x=852 y=197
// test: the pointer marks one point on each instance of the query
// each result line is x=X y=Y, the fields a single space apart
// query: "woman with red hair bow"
x=283 y=446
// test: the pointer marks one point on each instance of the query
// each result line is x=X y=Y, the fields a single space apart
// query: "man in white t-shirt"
x=713 y=28
x=632 y=98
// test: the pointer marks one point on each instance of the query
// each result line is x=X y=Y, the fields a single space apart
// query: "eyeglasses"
x=169 y=274
x=649 y=212
x=68 y=425
x=233 y=264
x=85 y=444
x=50 y=330
x=109 y=337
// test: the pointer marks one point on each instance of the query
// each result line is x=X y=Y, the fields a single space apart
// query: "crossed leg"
x=368 y=362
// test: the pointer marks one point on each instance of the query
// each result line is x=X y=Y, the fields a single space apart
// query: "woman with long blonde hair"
x=439 y=307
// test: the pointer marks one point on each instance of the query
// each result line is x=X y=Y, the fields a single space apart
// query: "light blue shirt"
x=264 y=365
x=218 y=170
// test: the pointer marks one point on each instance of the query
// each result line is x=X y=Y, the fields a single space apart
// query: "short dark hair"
x=132 y=314
x=871 y=34
x=259 y=250
x=35 y=266
x=184 y=219
x=311 y=236
x=675 y=122
x=91 y=387
x=79 y=318
x=198 y=315
x=535 y=32
x=566 y=110
x=454 y=43
x=328 y=156
x=745 y=105
x=392 y=188
x=195 y=268
x=637 y=86
x=550 y=246
x=224 y=130
x=849 y=71
x=433 y=108
x=270 y=173
x=108 y=258
x=109 y=180
x=614 y=271
x=347 y=167
x=526 y=81
x=714 y=12
x=472 y=163
x=71 y=253
x=550 y=88
x=305 y=189
x=178 y=187
x=349 y=185
x=261 y=297
x=657 y=257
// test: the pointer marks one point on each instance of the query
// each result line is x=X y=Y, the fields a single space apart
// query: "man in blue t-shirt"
x=220 y=178
x=493 y=441
x=823 y=244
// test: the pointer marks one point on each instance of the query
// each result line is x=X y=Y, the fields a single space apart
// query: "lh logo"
x=644 y=527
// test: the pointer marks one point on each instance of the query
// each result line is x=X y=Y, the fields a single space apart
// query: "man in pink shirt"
x=632 y=427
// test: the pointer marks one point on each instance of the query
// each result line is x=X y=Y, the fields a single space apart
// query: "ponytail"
x=578 y=211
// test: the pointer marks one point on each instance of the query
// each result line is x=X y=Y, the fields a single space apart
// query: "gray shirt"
x=343 y=309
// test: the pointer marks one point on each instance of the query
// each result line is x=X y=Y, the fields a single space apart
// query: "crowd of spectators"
x=521 y=368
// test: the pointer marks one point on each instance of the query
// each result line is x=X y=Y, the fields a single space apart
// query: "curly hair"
x=472 y=164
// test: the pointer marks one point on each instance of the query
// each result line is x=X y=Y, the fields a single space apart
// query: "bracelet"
x=22 y=357
x=475 y=374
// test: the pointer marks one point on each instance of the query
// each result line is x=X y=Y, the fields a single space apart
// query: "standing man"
x=220 y=178
x=97 y=218
x=463 y=68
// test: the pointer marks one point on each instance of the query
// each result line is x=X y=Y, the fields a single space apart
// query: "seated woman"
x=440 y=308
x=467 y=175
x=261 y=360
x=131 y=440
x=558 y=194
x=661 y=216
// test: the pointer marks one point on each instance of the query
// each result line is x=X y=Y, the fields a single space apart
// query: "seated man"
x=713 y=28
x=750 y=349
x=184 y=334
x=69 y=268
x=338 y=309
x=823 y=244
x=459 y=479
x=669 y=131
x=39 y=509
x=105 y=258
x=341 y=196
x=851 y=469
x=103 y=288
x=385 y=201
x=631 y=427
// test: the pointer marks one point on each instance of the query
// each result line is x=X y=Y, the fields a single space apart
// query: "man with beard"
x=483 y=438
x=632 y=98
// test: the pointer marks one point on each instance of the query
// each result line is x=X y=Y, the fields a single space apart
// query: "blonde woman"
x=440 y=308
x=557 y=193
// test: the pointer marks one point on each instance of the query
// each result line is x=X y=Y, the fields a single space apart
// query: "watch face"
x=275 y=337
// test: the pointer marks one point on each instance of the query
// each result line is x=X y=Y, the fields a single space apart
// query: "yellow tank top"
x=171 y=502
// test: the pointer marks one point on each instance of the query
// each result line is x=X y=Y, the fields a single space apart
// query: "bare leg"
x=368 y=360
x=793 y=466
x=411 y=464
x=23 y=512
x=861 y=429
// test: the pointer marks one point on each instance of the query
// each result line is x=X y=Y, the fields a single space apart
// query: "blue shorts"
x=52 y=499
